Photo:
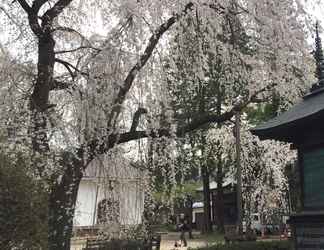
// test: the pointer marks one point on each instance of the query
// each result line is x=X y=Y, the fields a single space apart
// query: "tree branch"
x=53 y=12
x=71 y=30
x=76 y=49
x=152 y=43
x=25 y=6
x=102 y=145
x=59 y=85
x=68 y=66
x=37 y=4
x=32 y=18
x=136 y=118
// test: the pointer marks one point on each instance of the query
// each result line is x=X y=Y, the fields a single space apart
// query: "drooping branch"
x=152 y=43
x=69 y=67
x=102 y=145
x=77 y=49
x=71 y=30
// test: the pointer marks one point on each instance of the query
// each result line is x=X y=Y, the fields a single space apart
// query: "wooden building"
x=230 y=209
x=303 y=127
x=109 y=197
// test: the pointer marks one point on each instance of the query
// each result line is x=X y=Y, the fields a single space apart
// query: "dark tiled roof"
x=311 y=105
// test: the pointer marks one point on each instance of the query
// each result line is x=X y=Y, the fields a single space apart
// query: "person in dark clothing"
x=189 y=226
x=183 y=229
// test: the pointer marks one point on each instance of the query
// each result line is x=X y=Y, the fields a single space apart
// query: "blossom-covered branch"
x=152 y=43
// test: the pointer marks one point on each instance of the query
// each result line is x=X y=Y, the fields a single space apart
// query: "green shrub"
x=259 y=245
x=23 y=207
x=118 y=244
x=124 y=244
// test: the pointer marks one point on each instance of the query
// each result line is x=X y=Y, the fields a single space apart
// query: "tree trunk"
x=239 y=173
x=39 y=98
x=220 y=171
x=207 y=209
x=220 y=198
x=62 y=200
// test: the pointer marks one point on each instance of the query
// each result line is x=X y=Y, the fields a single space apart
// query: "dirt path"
x=169 y=239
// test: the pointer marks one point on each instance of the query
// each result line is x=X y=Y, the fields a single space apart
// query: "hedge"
x=259 y=245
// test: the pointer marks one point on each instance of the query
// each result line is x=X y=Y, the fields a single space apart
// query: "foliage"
x=265 y=184
x=263 y=112
x=264 y=181
x=180 y=191
x=266 y=245
x=117 y=244
x=211 y=238
x=188 y=188
x=23 y=207
x=79 y=78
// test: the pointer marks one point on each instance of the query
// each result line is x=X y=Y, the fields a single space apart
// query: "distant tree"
x=204 y=82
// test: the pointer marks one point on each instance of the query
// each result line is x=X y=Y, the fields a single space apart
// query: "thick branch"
x=54 y=12
x=25 y=6
x=136 y=118
x=37 y=4
x=104 y=144
x=32 y=18
x=153 y=41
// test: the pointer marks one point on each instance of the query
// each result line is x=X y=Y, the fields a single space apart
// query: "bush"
x=23 y=207
x=125 y=244
x=118 y=244
x=260 y=245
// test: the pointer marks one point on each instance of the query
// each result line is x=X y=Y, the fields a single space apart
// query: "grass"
x=268 y=245
x=211 y=238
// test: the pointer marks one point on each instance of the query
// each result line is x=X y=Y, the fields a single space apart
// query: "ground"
x=199 y=240
x=169 y=238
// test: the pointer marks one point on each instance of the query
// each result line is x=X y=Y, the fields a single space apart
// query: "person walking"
x=183 y=229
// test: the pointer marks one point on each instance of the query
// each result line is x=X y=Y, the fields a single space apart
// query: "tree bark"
x=204 y=167
x=238 y=174
x=220 y=171
x=62 y=200
x=220 y=198
x=40 y=95
x=207 y=207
